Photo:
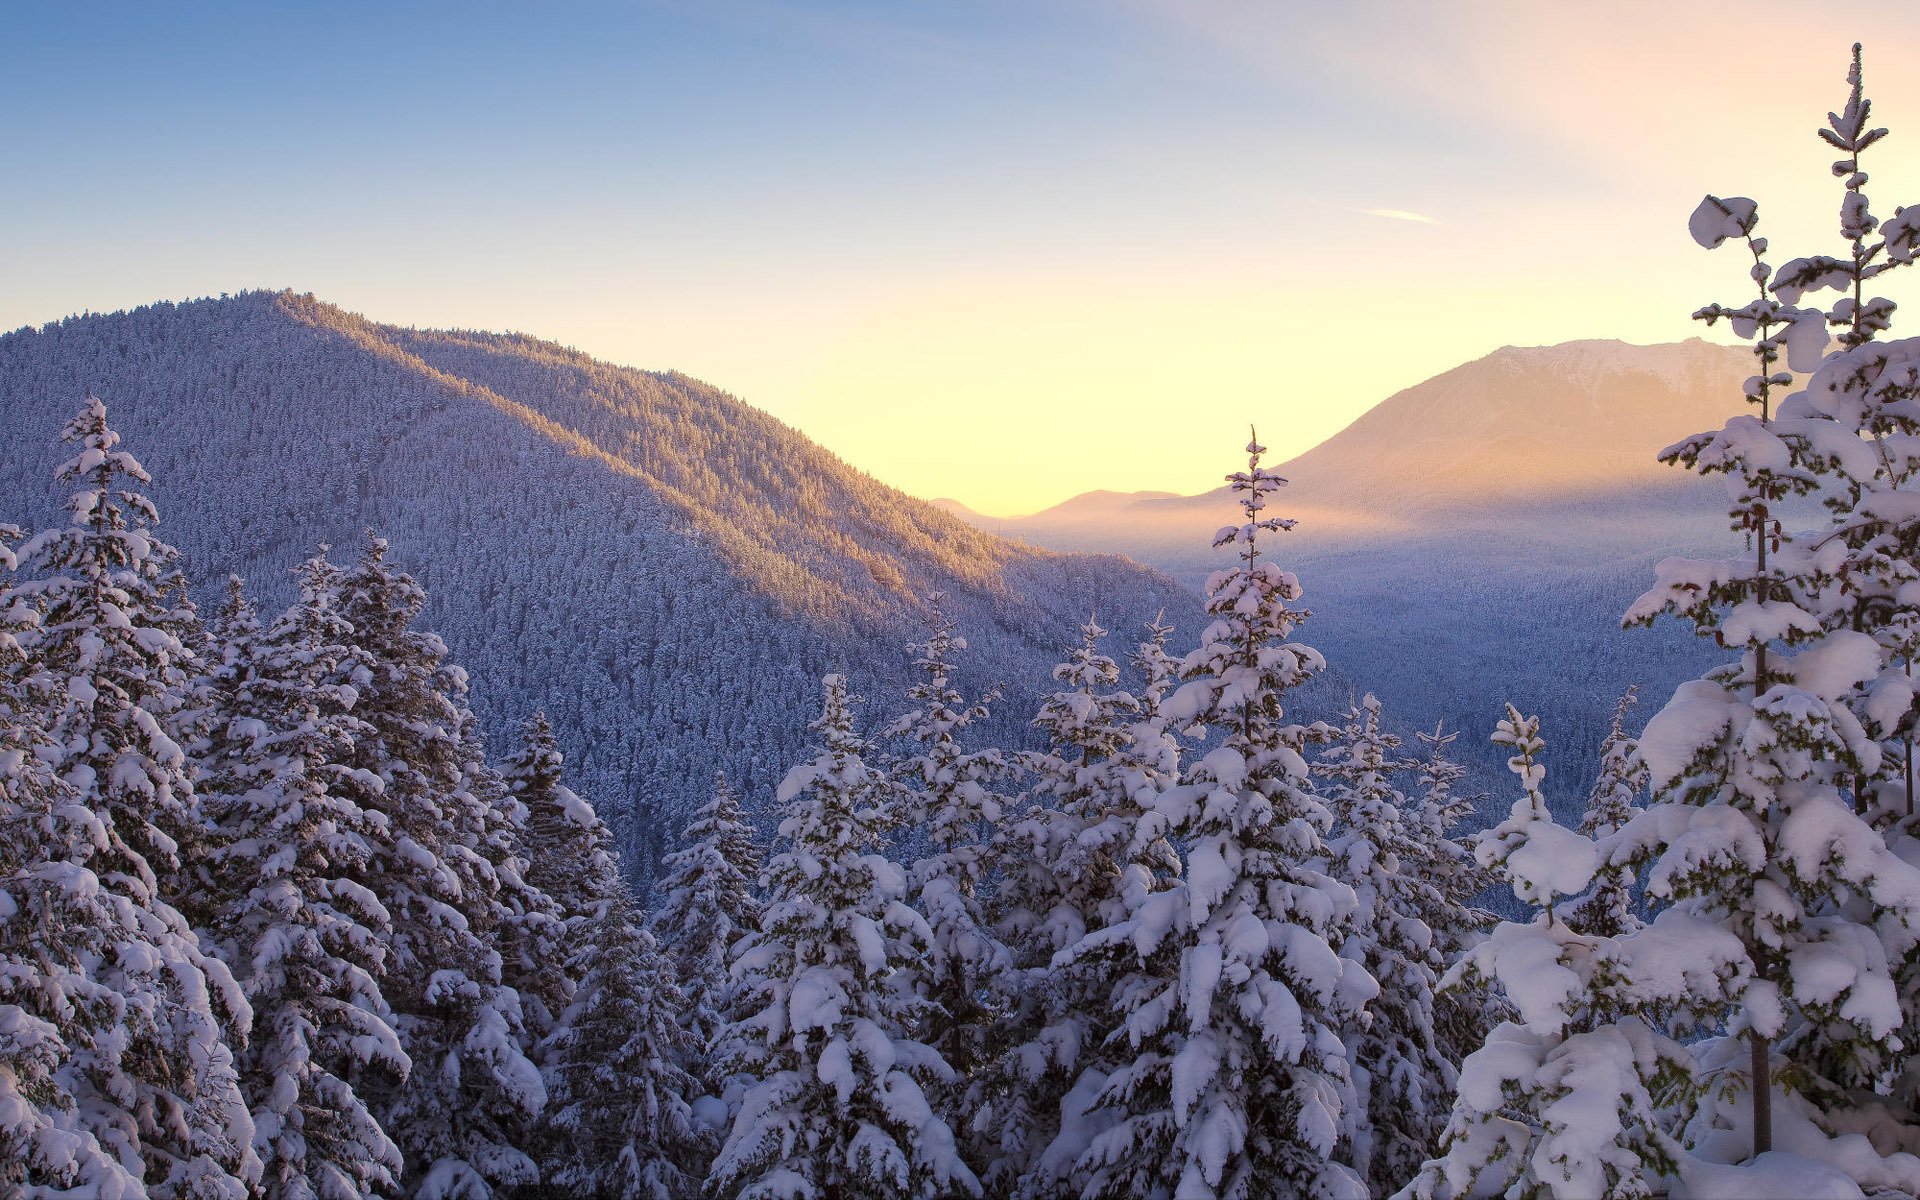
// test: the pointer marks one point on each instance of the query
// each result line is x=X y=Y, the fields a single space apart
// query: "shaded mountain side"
x=664 y=569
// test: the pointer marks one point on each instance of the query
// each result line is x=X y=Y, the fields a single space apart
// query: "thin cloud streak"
x=1401 y=214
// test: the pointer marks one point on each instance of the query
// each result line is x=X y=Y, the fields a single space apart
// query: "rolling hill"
x=664 y=569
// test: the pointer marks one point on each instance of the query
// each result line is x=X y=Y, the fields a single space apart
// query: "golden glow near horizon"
x=1292 y=298
x=1009 y=269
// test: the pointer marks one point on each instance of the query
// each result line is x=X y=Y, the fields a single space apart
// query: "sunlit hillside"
x=663 y=568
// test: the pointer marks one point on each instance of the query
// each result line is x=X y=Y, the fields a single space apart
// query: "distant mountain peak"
x=1522 y=425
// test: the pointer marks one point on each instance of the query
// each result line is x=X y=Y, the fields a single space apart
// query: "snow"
x=1775 y=1175
x=1699 y=714
x=1716 y=220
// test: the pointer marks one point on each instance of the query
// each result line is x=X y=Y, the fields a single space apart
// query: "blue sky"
x=1085 y=242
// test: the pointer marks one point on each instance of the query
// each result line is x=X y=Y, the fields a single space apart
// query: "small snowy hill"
x=1474 y=538
x=666 y=570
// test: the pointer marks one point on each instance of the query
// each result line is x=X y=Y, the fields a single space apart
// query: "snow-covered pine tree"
x=1042 y=864
x=1759 y=770
x=839 y=1105
x=1860 y=396
x=1401 y=1074
x=1457 y=922
x=947 y=794
x=110 y=598
x=231 y=634
x=620 y=1112
x=54 y=923
x=525 y=925
x=1057 y=879
x=569 y=861
x=708 y=901
x=107 y=671
x=1086 y=841
x=1562 y=1102
x=294 y=837
x=1155 y=744
x=1235 y=1081
x=1859 y=399
x=618 y=1121
x=1607 y=908
x=462 y=1115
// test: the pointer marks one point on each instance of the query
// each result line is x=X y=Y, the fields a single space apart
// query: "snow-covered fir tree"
x=1456 y=921
x=1234 y=1080
x=295 y=836
x=106 y=671
x=618 y=1121
x=569 y=866
x=708 y=901
x=463 y=1115
x=526 y=926
x=839 y=1106
x=1054 y=870
x=1857 y=410
x=620 y=1103
x=947 y=793
x=1608 y=907
x=1762 y=771
x=54 y=923
x=1562 y=1102
x=1402 y=1078
x=114 y=621
x=1066 y=865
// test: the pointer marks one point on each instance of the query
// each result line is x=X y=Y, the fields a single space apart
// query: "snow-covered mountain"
x=664 y=569
x=1476 y=537
x=1534 y=429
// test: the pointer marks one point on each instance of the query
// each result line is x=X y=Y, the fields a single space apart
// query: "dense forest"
x=276 y=919
x=588 y=535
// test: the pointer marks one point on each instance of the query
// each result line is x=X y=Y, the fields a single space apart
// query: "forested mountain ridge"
x=664 y=569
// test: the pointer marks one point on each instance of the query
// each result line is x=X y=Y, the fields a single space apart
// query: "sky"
x=1004 y=251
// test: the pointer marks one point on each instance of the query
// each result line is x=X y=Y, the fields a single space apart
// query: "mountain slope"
x=664 y=569
x=1473 y=539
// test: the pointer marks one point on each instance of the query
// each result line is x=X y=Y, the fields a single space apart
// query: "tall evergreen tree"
x=296 y=835
x=1237 y=1083
x=708 y=902
x=55 y=922
x=1563 y=1101
x=1762 y=770
x=114 y=622
x=618 y=1121
x=949 y=794
x=1402 y=1076
x=108 y=668
x=569 y=866
x=1068 y=865
x=839 y=1107
x=463 y=1113
x=525 y=925
x=1458 y=923
x=620 y=1112
x=1607 y=908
